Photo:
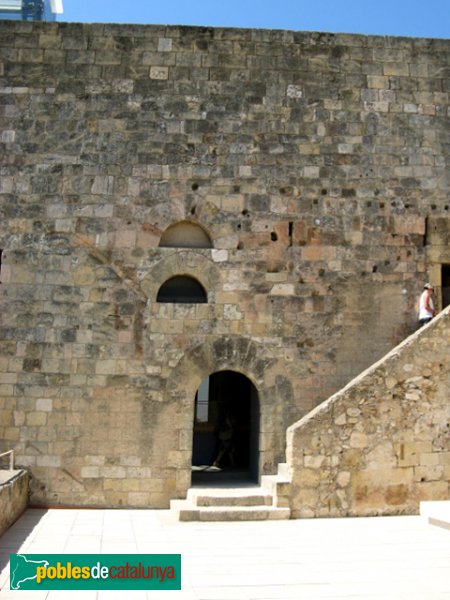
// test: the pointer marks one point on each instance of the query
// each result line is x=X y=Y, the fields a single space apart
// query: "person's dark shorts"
x=425 y=321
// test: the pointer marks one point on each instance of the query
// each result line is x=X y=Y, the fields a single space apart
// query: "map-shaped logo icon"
x=23 y=569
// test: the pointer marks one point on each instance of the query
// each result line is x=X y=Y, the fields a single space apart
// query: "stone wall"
x=382 y=444
x=14 y=491
x=313 y=162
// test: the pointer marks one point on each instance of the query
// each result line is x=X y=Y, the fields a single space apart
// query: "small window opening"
x=182 y=289
x=427 y=232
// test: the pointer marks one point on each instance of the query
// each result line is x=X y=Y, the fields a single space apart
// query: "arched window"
x=185 y=235
x=182 y=289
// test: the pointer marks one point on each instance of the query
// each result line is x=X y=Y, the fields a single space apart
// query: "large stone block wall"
x=314 y=162
x=381 y=445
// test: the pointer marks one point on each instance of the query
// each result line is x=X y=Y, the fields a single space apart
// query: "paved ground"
x=384 y=558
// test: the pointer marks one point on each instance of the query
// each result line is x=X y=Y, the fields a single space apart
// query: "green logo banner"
x=95 y=571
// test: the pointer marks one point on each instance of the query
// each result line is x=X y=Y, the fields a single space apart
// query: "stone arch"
x=185 y=234
x=190 y=263
x=234 y=352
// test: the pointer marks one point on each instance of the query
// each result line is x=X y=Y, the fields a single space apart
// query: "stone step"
x=278 y=485
x=270 y=482
x=282 y=477
x=187 y=511
x=244 y=503
x=247 y=502
x=436 y=512
x=252 y=496
x=282 y=471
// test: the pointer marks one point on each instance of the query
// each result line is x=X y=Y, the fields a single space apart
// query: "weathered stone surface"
x=316 y=164
x=14 y=491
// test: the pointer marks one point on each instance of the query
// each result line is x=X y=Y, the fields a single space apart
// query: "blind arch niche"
x=185 y=235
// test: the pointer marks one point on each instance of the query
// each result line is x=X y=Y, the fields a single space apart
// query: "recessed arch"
x=185 y=234
x=227 y=353
x=187 y=262
x=182 y=289
x=225 y=444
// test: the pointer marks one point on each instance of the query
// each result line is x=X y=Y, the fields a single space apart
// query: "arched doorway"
x=226 y=430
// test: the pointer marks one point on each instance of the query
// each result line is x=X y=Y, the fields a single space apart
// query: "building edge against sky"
x=31 y=10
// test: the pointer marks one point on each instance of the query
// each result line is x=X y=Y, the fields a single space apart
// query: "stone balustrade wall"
x=382 y=444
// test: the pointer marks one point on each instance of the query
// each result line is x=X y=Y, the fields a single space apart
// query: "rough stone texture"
x=13 y=497
x=382 y=444
x=317 y=165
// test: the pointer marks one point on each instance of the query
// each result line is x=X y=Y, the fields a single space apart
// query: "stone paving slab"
x=382 y=558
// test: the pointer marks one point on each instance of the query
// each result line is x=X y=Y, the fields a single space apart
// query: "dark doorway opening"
x=225 y=445
x=445 y=285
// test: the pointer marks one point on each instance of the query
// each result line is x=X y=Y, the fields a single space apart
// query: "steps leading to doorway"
x=244 y=502
x=252 y=503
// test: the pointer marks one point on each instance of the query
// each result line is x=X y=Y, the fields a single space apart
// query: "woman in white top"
x=426 y=305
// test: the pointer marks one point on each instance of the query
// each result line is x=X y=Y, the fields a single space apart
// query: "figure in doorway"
x=226 y=440
x=426 y=305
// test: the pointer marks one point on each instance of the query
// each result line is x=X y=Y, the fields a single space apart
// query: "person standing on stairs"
x=426 y=305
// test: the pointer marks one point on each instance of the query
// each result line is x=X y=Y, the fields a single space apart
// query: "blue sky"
x=428 y=18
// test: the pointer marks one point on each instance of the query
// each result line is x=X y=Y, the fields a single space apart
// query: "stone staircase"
x=244 y=502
